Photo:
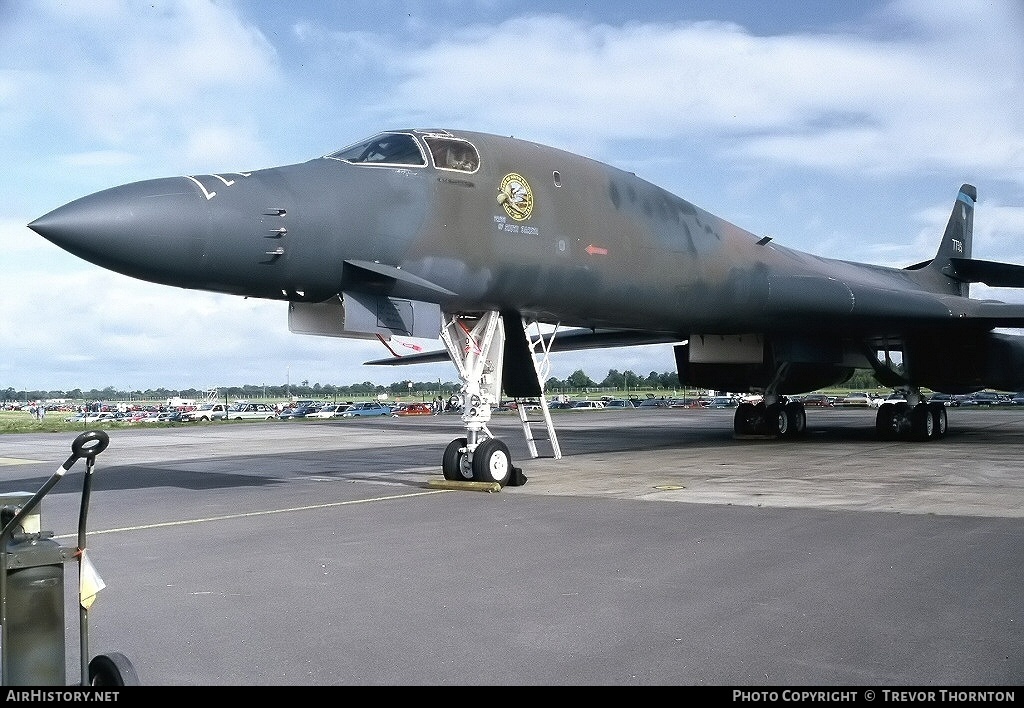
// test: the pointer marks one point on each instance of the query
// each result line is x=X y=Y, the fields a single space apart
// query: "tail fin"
x=955 y=246
x=956 y=242
x=952 y=270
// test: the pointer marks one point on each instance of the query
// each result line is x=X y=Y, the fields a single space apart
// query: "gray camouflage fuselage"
x=554 y=237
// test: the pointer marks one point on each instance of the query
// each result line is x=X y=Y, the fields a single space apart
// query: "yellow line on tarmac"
x=250 y=514
x=17 y=461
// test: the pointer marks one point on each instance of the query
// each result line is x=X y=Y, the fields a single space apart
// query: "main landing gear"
x=476 y=346
x=776 y=419
x=905 y=421
x=773 y=416
x=912 y=419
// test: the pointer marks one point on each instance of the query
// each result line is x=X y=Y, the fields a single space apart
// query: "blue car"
x=298 y=412
x=367 y=408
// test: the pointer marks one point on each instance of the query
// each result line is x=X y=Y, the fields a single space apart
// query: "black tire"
x=454 y=462
x=745 y=419
x=797 y=416
x=922 y=423
x=492 y=462
x=776 y=421
x=887 y=423
x=941 y=418
x=763 y=421
x=112 y=670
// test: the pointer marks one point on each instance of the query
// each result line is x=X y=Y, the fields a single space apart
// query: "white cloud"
x=834 y=102
x=140 y=78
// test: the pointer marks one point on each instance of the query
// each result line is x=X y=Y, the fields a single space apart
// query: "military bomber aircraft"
x=509 y=250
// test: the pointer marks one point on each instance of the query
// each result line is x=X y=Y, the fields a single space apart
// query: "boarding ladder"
x=542 y=367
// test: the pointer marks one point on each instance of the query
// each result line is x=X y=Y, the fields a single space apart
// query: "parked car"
x=298 y=411
x=817 y=400
x=205 y=412
x=91 y=417
x=944 y=398
x=331 y=410
x=251 y=411
x=413 y=409
x=587 y=406
x=1017 y=399
x=619 y=403
x=154 y=417
x=367 y=408
x=894 y=397
x=857 y=399
x=986 y=398
x=654 y=403
x=722 y=402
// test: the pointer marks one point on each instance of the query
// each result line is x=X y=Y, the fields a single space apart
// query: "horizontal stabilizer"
x=565 y=341
x=992 y=273
x=991 y=312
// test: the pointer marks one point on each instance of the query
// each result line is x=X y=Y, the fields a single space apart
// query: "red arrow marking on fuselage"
x=596 y=250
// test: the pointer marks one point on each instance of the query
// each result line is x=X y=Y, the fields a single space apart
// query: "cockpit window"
x=383 y=149
x=452 y=154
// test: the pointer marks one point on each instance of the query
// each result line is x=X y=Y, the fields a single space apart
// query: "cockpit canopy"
x=389 y=149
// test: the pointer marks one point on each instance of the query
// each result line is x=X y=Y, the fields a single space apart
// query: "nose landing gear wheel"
x=492 y=462
x=455 y=462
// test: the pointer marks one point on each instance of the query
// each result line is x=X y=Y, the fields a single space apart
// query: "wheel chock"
x=517 y=478
x=468 y=486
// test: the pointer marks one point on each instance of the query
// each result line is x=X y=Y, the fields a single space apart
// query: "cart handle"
x=87 y=445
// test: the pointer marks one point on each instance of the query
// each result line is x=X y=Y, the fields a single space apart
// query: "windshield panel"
x=452 y=154
x=383 y=149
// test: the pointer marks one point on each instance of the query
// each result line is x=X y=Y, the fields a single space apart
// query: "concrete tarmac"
x=658 y=550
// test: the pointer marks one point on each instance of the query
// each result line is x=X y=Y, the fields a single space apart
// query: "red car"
x=414 y=409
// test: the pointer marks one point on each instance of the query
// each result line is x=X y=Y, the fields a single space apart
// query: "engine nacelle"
x=749 y=363
x=965 y=365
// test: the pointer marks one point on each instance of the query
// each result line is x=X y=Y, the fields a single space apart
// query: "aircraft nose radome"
x=75 y=223
x=132 y=227
x=116 y=214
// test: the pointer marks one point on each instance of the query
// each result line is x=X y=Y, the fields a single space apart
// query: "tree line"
x=576 y=383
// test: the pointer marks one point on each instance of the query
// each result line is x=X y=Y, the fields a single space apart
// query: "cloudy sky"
x=844 y=129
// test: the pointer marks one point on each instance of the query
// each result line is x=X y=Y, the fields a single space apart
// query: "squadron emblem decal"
x=515 y=196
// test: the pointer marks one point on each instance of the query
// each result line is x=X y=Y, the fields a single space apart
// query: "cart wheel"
x=112 y=670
